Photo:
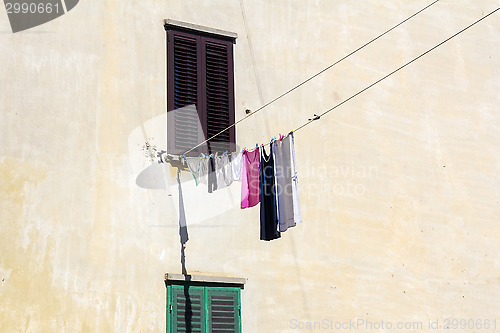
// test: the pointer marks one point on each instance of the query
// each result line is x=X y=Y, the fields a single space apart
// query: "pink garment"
x=250 y=183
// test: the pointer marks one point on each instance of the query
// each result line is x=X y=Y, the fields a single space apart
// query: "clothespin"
x=316 y=117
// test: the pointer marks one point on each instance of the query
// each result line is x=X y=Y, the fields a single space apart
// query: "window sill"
x=169 y=277
x=196 y=27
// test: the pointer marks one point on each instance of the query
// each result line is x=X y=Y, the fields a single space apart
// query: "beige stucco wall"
x=400 y=193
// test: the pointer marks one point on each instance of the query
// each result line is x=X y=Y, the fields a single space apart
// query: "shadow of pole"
x=184 y=237
x=183 y=232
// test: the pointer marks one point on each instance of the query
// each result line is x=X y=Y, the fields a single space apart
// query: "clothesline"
x=318 y=117
x=310 y=78
x=394 y=71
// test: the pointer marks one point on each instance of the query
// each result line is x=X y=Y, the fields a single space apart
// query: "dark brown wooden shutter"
x=219 y=95
x=185 y=117
x=200 y=92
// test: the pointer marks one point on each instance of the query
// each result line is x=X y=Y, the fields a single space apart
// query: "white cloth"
x=236 y=165
x=297 y=217
x=203 y=174
x=283 y=183
x=193 y=164
x=223 y=171
x=227 y=170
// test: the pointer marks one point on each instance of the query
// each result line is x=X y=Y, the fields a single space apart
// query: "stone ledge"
x=204 y=278
x=201 y=28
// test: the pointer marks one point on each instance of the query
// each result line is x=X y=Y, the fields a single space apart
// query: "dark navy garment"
x=268 y=208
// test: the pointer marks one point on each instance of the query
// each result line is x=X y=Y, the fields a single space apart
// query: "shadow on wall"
x=184 y=308
x=183 y=232
x=184 y=237
x=151 y=175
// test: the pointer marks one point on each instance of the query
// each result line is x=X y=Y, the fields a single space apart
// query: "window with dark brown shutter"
x=200 y=91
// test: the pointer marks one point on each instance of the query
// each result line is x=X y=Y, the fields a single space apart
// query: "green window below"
x=203 y=309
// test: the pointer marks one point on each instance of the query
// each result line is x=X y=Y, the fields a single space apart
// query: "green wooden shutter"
x=223 y=307
x=187 y=310
x=200 y=309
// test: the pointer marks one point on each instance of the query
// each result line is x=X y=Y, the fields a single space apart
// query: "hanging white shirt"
x=236 y=165
x=203 y=169
x=223 y=171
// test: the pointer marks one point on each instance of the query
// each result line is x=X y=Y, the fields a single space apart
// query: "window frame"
x=203 y=38
x=206 y=289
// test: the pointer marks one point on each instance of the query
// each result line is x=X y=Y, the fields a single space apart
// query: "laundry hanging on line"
x=268 y=205
x=286 y=183
x=278 y=186
x=214 y=170
x=250 y=182
x=270 y=180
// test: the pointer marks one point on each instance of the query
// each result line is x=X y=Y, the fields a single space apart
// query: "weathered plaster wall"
x=399 y=189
